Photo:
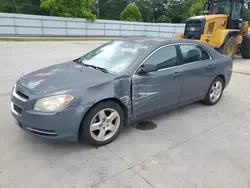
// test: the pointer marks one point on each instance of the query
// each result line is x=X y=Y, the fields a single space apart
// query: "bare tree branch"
x=14 y=2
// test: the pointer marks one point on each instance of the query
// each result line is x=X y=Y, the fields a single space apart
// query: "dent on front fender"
x=118 y=89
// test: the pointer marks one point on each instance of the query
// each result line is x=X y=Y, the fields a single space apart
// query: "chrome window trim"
x=17 y=96
x=41 y=132
x=210 y=57
x=13 y=110
x=168 y=45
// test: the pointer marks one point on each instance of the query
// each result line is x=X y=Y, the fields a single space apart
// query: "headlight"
x=53 y=104
x=240 y=25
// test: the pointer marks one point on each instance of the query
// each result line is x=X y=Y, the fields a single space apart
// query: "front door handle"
x=176 y=74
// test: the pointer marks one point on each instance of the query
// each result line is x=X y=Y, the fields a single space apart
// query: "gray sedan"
x=118 y=83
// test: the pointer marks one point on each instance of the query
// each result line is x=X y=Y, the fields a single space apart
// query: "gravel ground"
x=193 y=146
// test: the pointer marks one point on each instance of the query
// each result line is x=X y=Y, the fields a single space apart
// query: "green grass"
x=30 y=39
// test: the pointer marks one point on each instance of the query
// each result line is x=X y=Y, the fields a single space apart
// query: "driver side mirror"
x=146 y=68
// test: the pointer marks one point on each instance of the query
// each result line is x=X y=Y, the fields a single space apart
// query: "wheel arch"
x=233 y=33
x=219 y=76
x=221 y=36
x=223 y=78
x=119 y=102
x=206 y=99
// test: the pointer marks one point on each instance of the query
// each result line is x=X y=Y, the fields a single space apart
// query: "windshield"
x=222 y=7
x=114 y=56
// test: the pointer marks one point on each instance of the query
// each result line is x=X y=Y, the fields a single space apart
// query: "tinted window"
x=193 y=53
x=236 y=14
x=115 y=56
x=164 y=57
x=222 y=7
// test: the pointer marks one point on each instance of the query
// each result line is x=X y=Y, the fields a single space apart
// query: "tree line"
x=166 y=11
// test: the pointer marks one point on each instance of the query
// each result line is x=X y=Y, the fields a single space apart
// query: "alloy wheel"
x=216 y=91
x=105 y=124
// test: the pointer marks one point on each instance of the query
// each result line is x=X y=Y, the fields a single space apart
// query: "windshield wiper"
x=78 y=61
x=93 y=66
x=96 y=67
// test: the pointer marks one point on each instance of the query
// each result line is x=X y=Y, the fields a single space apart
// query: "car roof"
x=157 y=41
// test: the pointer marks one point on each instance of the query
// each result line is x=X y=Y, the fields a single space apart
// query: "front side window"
x=222 y=7
x=164 y=58
x=193 y=53
x=114 y=56
x=236 y=14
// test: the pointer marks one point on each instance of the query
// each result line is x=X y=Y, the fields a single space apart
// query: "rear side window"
x=193 y=53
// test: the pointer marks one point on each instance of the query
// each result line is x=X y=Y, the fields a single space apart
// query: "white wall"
x=33 y=25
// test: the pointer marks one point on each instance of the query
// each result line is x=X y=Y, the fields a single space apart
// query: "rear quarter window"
x=193 y=53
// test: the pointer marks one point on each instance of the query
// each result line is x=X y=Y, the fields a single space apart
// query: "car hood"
x=62 y=76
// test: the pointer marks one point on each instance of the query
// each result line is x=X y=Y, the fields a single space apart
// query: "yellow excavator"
x=221 y=27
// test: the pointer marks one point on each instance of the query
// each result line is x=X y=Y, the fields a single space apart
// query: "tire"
x=209 y=100
x=245 y=52
x=231 y=43
x=245 y=47
x=97 y=129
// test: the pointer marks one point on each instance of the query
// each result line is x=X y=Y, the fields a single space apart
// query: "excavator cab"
x=221 y=27
x=232 y=8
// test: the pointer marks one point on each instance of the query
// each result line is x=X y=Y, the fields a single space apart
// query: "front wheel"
x=102 y=123
x=214 y=92
x=230 y=47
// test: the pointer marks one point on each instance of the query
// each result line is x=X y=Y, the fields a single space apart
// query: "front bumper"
x=63 y=125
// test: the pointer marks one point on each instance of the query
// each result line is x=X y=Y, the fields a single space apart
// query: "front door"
x=159 y=89
x=198 y=72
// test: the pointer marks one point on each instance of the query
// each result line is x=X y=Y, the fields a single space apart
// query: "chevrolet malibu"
x=121 y=82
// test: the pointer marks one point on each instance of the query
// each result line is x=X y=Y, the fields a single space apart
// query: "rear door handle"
x=176 y=74
x=210 y=66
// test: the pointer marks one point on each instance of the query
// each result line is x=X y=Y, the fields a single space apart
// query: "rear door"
x=198 y=71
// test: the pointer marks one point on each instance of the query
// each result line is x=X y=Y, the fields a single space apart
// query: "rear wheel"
x=214 y=92
x=230 y=47
x=102 y=124
x=245 y=52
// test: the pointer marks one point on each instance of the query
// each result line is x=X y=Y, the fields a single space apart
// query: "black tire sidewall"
x=85 y=125
x=207 y=100
x=245 y=52
x=245 y=47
